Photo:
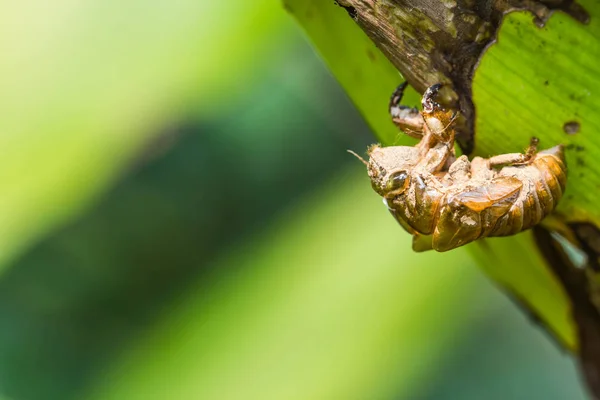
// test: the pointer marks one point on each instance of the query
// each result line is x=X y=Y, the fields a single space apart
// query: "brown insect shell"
x=419 y=204
x=385 y=161
x=415 y=204
x=446 y=202
x=544 y=182
x=496 y=202
x=472 y=208
x=503 y=202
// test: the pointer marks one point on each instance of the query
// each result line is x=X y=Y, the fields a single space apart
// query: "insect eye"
x=397 y=180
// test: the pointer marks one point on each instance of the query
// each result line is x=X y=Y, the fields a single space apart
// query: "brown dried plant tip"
x=446 y=202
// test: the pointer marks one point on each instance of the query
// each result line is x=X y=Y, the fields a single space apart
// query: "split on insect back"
x=446 y=202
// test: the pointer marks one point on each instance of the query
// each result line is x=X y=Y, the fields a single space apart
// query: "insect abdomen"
x=544 y=183
x=553 y=166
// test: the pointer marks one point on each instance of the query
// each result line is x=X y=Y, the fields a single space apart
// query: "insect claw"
x=532 y=149
x=430 y=105
x=534 y=142
x=397 y=95
x=436 y=87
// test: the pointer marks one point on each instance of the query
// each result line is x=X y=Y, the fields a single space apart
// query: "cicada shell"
x=446 y=202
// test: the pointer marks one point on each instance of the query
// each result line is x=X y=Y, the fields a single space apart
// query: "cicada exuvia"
x=446 y=202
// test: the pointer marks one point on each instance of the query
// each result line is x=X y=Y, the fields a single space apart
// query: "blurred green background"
x=180 y=219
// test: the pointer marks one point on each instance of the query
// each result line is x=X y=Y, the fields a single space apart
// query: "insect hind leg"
x=516 y=158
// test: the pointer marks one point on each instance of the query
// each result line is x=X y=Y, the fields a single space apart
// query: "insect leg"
x=533 y=147
x=469 y=214
x=460 y=170
x=400 y=220
x=428 y=102
x=508 y=159
x=516 y=158
x=457 y=226
x=439 y=121
x=480 y=169
x=408 y=119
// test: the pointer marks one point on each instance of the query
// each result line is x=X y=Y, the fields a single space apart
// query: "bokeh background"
x=180 y=219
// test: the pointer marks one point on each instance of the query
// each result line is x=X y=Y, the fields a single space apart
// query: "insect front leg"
x=408 y=119
x=399 y=219
x=438 y=120
x=420 y=242
x=515 y=158
x=436 y=158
